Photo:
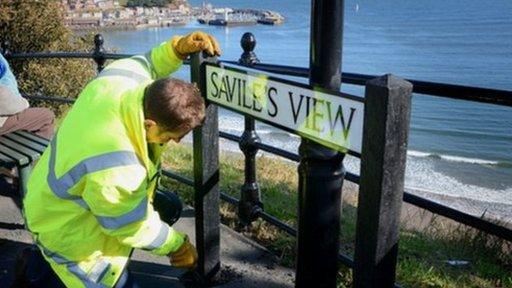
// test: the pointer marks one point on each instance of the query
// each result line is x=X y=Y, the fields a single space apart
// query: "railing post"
x=99 y=52
x=6 y=52
x=386 y=128
x=321 y=170
x=206 y=182
x=250 y=203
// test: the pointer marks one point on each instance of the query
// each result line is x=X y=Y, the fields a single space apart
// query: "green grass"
x=422 y=254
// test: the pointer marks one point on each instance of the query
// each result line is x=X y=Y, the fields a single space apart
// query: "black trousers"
x=39 y=274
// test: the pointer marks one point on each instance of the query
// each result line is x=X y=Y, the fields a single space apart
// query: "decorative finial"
x=99 y=51
x=248 y=42
x=5 y=48
x=98 y=42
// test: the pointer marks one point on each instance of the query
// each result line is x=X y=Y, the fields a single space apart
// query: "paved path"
x=244 y=262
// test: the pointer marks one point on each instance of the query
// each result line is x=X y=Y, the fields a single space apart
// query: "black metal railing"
x=475 y=94
x=250 y=205
x=460 y=92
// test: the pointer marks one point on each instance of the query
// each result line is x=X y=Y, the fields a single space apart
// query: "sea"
x=457 y=149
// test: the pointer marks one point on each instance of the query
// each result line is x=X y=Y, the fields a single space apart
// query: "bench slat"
x=18 y=157
x=32 y=154
x=39 y=148
x=6 y=160
x=33 y=137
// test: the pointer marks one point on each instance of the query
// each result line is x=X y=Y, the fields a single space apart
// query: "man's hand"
x=185 y=256
x=195 y=42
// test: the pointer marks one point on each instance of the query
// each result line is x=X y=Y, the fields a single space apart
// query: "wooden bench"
x=20 y=149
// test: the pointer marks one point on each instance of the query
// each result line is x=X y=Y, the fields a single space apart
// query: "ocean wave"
x=234 y=124
x=263 y=132
x=504 y=165
x=463 y=133
x=276 y=132
x=423 y=175
x=452 y=158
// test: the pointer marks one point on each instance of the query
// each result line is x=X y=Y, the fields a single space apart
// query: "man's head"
x=172 y=108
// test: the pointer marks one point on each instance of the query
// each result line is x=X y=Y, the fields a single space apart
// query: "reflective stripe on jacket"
x=89 y=199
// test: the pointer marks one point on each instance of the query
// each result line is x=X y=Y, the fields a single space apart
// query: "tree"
x=37 y=26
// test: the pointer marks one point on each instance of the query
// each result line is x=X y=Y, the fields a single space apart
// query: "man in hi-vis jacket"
x=90 y=196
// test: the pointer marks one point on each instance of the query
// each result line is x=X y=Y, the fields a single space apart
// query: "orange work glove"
x=195 y=42
x=185 y=256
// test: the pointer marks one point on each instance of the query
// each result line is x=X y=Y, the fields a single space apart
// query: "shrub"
x=37 y=26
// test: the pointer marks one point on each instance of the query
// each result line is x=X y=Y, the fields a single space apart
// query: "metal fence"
x=250 y=143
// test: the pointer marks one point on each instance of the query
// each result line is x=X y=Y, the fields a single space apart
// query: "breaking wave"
x=452 y=158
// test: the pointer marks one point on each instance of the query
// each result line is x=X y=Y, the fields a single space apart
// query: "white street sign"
x=334 y=120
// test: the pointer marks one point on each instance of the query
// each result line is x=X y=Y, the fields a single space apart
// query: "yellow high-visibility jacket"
x=89 y=198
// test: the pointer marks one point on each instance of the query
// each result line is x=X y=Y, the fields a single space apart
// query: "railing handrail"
x=445 y=90
x=70 y=55
x=432 y=206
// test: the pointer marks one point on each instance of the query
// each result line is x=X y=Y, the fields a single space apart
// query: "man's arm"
x=124 y=211
x=163 y=59
x=131 y=72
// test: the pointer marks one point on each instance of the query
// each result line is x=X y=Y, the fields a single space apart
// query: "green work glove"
x=195 y=42
x=185 y=256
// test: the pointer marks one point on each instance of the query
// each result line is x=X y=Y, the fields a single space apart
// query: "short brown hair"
x=173 y=104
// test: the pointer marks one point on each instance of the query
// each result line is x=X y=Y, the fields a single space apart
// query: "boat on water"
x=222 y=22
x=270 y=18
x=240 y=17
x=228 y=18
x=218 y=22
x=269 y=21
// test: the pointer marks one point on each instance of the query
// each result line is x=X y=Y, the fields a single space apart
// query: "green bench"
x=20 y=149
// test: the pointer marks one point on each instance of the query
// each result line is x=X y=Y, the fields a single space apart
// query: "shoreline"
x=154 y=17
x=123 y=27
x=418 y=219
x=492 y=211
x=496 y=212
x=120 y=28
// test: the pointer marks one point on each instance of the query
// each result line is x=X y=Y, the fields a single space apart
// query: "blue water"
x=457 y=148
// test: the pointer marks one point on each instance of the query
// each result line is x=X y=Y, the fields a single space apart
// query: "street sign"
x=332 y=119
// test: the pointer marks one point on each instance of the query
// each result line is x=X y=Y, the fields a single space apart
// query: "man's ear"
x=148 y=123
